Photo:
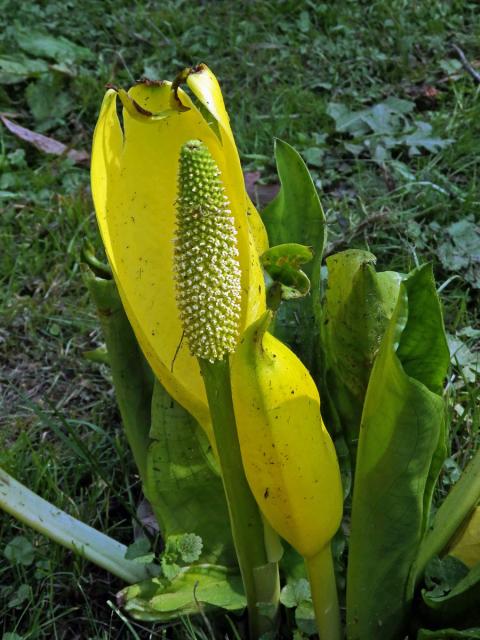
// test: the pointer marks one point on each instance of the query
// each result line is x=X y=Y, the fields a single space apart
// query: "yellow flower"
x=134 y=185
x=466 y=544
x=289 y=458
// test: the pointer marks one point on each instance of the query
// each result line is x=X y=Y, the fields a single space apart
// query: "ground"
x=376 y=98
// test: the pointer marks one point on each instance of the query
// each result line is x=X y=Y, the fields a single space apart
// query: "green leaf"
x=347 y=120
x=457 y=607
x=282 y=264
x=292 y=565
x=290 y=255
x=170 y=569
x=18 y=68
x=305 y=618
x=190 y=547
x=194 y=589
x=20 y=551
x=20 y=596
x=459 y=249
x=138 y=548
x=400 y=448
x=442 y=575
x=183 y=484
x=295 y=592
x=39 y=43
x=358 y=306
x=296 y=216
x=422 y=138
x=181 y=549
x=140 y=551
x=99 y=355
x=314 y=156
x=448 y=634
x=47 y=103
x=43 y=569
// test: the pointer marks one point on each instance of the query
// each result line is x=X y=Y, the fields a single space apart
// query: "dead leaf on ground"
x=44 y=143
x=261 y=194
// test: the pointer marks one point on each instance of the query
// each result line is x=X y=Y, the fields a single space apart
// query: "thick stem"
x=57 y=525
x=245 y=518
x=324 y=594
x=132 y=378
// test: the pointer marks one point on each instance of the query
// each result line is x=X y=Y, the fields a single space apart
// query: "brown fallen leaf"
x=44 y=143
x=261 y=194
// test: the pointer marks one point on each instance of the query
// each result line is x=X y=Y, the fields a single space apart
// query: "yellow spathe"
x=134 y=185
x=289 y=458
x=466 y=545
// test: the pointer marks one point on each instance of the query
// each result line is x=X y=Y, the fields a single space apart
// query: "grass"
x=282 y=65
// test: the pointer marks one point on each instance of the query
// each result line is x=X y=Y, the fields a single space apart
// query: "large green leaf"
x=196 y=589
x=296 y=216
x=359 y=304
x=402 y=437
x=460 y=607
x=183 y=486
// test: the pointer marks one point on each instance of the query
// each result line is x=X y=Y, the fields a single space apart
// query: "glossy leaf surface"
x=359 y=304
x=401 y=448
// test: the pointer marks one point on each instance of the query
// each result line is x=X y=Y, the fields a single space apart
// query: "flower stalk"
x=209 y=297
x=321 y=575
x=245 y=518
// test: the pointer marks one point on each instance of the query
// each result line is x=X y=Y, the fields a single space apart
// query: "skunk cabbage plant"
x=220 y=398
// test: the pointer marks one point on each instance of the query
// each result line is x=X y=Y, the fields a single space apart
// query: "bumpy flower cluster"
x=207 y=271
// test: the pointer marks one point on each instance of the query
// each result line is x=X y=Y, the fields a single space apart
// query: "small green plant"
x=383 y=129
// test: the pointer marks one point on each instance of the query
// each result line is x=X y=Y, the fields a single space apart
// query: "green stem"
x=57 y=525
x=324 y=594
x=245 y=519
x=132 y=378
